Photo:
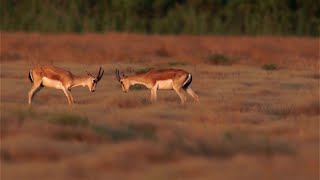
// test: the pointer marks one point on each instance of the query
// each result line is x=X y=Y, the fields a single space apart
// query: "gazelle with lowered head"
x=160 y=79
x=58 y=78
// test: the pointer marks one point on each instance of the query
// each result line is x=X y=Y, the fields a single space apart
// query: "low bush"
x=137 y=87
x=162 y=52
x=219 y=59
x=143 y=70
x=68 y=119
x=126 y=132
x=269 y=67
x=176 y=63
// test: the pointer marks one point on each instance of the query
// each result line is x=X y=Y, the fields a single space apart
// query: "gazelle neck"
x=138 y=79
x=79 y=81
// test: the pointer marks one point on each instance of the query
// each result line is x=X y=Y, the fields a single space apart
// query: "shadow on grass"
x=229 y=145
x=69 y=119
x=126 y=132
x=219 y=59
x=132 y=102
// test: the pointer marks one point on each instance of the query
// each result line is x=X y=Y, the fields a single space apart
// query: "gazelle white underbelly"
x=51 y=83
x=165 y=84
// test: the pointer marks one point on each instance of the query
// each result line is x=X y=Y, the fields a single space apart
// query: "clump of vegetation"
x=163 y=16
x=115 y=134
x=126 y=132
x=176 y=63
x=10 y=56
x=143 y=70
x=146 y=131
x=137 y=87
x=269 y=67
x=162 y=52
x=68 y=119
x=280 y=110
x=230 y=144
x=5 y=155
x=219 y=59
x=132 y=102
x=227 y=136
x=313 y=76
x=23 y=114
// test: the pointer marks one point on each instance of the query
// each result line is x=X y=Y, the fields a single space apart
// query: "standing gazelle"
x=155 y=79
x=54 y=77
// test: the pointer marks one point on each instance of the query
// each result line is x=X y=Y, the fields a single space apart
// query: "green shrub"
x=162 y=52
x=137 y=87
x=219 y=59
x=146 y=131
x=5 y=155
x=143 y=70
x=176 y=63
x=230 y=144
x=68 y=119
x=269 y=67
x=115 y=134
x=126 y=132
x=227 y=136
x=22 y=114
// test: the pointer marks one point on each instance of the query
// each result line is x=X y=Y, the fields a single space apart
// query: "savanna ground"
x=251 y=123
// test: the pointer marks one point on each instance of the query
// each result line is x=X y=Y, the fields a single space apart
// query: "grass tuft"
x=162 y=52
x=230 y=144
x=280 y=110
x=22 y=114
x=137 y=87
x=269 y=67
x=143 y=70
x=145 y=131
x=5 y=155
x=177 y=63
x=126 y=132
x=219 y=59
x=68 y=119
x=115 y=134
x=132 y=102
x=10 y=56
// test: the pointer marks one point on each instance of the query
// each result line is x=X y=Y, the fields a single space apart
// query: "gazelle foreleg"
x=72 y=100
x=33 y=91
x=69 y=96
x=154 y=94
x=192 y=94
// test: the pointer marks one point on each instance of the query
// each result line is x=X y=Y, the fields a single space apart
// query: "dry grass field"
x=251 y=123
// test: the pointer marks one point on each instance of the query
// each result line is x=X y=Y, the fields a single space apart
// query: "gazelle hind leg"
x=182 y=96
x=192 y=94
x=33 y=91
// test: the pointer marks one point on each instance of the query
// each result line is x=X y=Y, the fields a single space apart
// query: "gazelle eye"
x=94 y=81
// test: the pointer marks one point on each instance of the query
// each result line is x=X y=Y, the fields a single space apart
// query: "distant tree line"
x=231 y=17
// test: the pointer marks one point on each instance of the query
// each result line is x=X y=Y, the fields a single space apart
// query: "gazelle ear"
x=89 y=74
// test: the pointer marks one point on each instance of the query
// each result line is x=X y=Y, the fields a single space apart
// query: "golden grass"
x=248 y=125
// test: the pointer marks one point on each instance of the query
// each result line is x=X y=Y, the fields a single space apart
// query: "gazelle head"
x=93 y=81
x=125 y=83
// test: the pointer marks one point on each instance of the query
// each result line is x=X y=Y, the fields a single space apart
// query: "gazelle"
x=164 y=79
x=55 y=77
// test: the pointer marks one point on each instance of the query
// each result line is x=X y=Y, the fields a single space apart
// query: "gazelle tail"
x=30 y=76
x=188 y=81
